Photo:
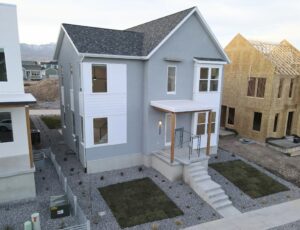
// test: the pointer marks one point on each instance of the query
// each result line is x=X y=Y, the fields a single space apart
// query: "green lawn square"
x=137 y=202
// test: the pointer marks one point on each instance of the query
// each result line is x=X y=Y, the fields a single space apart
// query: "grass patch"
x=248 y=179
x=137 y=202
x=52 y=122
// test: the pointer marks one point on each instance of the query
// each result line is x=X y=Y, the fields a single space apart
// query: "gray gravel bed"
x=85 y=187
x=242 y=201
x=14 y=214
x=291 y=226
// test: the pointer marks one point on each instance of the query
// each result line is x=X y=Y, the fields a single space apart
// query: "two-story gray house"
x=148 y=95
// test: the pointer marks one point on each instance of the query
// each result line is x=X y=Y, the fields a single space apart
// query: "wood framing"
x=29 y=136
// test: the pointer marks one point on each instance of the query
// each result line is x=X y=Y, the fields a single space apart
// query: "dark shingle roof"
x=136 y=41
x=155 y=31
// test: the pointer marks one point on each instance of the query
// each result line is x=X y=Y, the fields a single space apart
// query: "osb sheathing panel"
x=248 y=62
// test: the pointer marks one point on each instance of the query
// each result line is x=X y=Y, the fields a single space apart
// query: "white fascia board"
x=210 y=62
x=7 y=4
x=212 y=36
x=91 y=55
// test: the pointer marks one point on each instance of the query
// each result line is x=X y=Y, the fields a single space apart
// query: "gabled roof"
x=138 y=42
x=284 y=57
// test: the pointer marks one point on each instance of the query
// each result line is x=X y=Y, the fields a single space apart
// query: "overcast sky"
x=268 y=20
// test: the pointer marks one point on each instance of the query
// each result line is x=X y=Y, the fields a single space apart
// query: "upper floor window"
x=256 y=87
x=99 y=77
x=291 y=88
x=280 y=88
x=171 y=79
x=6 y=130
x=209 y=79
x=3 y=74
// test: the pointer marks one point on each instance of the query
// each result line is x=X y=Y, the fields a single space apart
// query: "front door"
x=223 y=115
x=289 y=124
x=168 y=129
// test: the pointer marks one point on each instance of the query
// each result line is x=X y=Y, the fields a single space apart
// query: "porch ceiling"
x=179 y=106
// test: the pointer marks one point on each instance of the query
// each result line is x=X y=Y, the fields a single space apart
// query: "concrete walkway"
x=264 y=218
x=39 y=112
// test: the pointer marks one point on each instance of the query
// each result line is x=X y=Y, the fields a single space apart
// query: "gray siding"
x=189 y=41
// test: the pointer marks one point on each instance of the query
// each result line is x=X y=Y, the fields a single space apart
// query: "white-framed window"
x=171 y=79
x=209 y=78
x=202 y=123
x=6 y=129
x=99 y=78
x=3 y=74
x=100 y=126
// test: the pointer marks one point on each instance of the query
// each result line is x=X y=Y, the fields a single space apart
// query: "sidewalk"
x=264 y=218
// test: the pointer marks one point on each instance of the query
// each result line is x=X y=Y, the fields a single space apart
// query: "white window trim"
x=101 y=144
x=209 y=66
x=171 y=92
x=99 y=64
x=206 y=122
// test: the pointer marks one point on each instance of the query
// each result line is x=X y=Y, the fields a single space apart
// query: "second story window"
x=99 y=78
x=280 y=88
x=171 y=79
x=256 y=87
x=3 y=75
x=209 y=79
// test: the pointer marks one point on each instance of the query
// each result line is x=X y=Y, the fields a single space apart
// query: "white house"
x=16 y=163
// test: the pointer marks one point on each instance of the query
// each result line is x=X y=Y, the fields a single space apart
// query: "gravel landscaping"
x=242 y=201
x=85 y=187
x=291 y=226
x=14 y=214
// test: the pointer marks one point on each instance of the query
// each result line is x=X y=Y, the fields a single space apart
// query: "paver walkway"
x=264 y=218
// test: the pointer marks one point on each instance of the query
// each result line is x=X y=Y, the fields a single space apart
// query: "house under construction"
x=261 y=96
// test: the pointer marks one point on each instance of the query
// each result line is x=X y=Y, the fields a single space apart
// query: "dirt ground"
x=276 y=162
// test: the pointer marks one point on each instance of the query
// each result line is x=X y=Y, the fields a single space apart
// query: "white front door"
x=168 y=129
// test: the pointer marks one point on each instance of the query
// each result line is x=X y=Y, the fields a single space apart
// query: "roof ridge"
x=179 y=12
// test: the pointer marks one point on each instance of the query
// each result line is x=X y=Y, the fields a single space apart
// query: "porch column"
x=29 y=135
x=173 y=124
x=208 y=133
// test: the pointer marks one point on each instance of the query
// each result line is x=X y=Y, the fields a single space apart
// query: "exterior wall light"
x=159 y=127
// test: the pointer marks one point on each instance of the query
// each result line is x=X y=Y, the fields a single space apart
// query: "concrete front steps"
x=197 y=177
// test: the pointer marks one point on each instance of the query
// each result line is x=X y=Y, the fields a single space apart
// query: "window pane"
x=291 y=88
x=201 y=129
x=257 y=121
x=261 y=85
x=215 y=73
x=203 y=85
x=3 y=76
x=100 y=130
x=201 y=118
x=99 y=78
x=213 y=127
x=204 y=73
x=171 y=79
x=231 y=115
x=251 y=87
x=214 y=85
x=280 y=88
x=213 y=117
x=6 y=133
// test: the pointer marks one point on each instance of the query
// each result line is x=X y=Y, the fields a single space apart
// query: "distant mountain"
x=37 y=52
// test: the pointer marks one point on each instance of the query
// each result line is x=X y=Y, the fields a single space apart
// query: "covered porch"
x=185 y=147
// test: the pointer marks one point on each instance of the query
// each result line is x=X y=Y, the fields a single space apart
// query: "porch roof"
x=179 y=106
x=20 y=98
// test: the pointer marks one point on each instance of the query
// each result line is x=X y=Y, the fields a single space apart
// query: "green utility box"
x=59 y=206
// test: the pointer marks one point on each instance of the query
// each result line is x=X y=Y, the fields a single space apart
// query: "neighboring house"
x=16 y=163
x=32 y=70
x=144 y=95
x=261 y=96
x=49 y=69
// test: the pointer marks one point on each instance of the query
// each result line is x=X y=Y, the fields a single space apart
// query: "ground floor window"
x=231 y=115
x=275 y=122
x=203 y=121
x=100 y=131
x=6 y=131
x=257 y=121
